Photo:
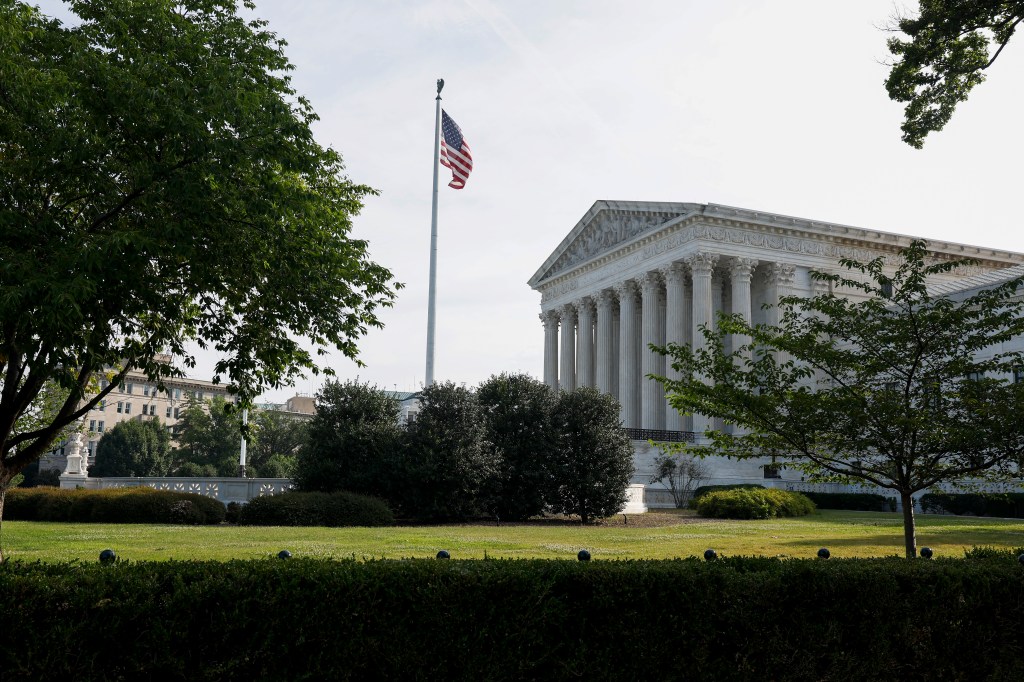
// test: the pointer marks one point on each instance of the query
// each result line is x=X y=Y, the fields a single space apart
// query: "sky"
x=776 y=106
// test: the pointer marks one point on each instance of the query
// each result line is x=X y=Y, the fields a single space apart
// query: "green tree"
x=353 y=442
x=209 y=436
x=133 y=448
x=278 y=440
x=517 y=415
x=160 y=184
x=448 y=463
x=948 y=45
x=593 y=456
x=904 y=389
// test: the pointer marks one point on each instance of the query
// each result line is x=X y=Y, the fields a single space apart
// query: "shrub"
x=1004 y=505
x=753 y=503
x=703 y=490
x=853 y=501
x=112 y=505
x=316 y=509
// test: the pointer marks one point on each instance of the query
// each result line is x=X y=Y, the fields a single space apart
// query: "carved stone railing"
x=224 y=489
x=661 y=435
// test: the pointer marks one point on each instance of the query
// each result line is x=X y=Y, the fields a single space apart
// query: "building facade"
x=631 y=274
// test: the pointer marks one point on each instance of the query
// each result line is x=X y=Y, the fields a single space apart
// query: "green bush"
x=112 y=505
x=305 y=619
x=703 y=490
x=1003 y=505
x=753 y=503
x=852 y=501
x=316 y=509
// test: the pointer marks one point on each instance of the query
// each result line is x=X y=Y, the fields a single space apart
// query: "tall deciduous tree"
x=354 y=440
x=134 y=448
x=209 y=437
x=160 y=184
x=593 y=459
x=947 y=47
x=517 y=409
x=904 y=389
x=278 y=439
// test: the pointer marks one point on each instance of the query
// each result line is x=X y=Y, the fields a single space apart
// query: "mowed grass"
x=653 y=536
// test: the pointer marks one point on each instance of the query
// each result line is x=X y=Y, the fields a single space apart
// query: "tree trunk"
x=3 y=495
x=909 y=529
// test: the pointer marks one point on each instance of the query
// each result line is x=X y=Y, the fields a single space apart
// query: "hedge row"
x=753 y=503
x=112 y=505
x=703 y=490
x=315 y=509
x=732 y=619
x=1004 y=505
x=853 y=501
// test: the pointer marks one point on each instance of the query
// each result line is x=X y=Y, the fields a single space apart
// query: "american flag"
x=455 y=152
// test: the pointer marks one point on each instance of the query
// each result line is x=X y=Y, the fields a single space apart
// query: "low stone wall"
x=223 y=489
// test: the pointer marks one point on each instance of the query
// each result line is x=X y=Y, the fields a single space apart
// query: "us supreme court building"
x=630 y=274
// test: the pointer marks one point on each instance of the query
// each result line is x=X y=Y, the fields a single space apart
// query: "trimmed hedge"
x=852 y=501
x=304 y=619
x=1004 y=505
x=315 y=509
x=111 y=505
x=753 y=503
x=703 y=490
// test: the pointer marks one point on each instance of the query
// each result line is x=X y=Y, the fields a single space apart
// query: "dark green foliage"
x=275 y=444
x=751 y=503
x=448 y=462
x=517 y=414
x=34 y=477
x=209 y=436
x=353 y=441
x=853 y=501
x=705 y=489
x=112 y=505
x=133 y=448
x=304 y=619
x=593 y=456
x=1003 y=505
x=315 y=509
x=160 y=185
x=949 y=45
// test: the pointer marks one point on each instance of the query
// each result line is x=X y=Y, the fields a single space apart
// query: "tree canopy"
x=160 y=185
x=134 y=448
x=903 y=389
x=943 y=54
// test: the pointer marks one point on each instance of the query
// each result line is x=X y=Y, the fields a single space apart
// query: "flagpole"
x=432 y=289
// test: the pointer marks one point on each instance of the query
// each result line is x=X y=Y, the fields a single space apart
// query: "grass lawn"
x=652 y=536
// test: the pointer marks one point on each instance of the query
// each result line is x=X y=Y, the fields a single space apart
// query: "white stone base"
x=635 y=503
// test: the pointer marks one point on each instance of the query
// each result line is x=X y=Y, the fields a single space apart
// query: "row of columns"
x=603 y=340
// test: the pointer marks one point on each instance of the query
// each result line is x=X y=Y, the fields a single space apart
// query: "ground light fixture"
x=108 y=556
x=710 y=555
x=823 y=553
x=583 y=555
x=284 y=554
x=443 y=554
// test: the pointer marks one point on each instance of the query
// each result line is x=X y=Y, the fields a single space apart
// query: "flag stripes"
x=455 y=153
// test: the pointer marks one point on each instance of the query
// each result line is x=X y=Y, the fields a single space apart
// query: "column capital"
x=780 y=273
x=550 y=318
x=626 y=290
x=742 y=268
x=651 y=281
x=673 y=273
x=702 y=263
x=568 y=313
x=584 y=305
x=606 y=297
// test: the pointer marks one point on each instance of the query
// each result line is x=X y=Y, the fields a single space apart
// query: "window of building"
x=976 y=376
x=177 y=394
x=152 y=410
x=177 y=411
x=91 y=447
x=145 y=389
x=120 y=407
x=127 y=408
x=100 y=427
x=1018 y=374
x=92 y=425
x=128 y=388
x=168 y=412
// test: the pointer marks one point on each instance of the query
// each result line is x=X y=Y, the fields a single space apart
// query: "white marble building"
x=634 y=273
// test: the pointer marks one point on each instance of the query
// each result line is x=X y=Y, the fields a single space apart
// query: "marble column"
x=652 y=395
x=778 y=281
x=676 y=332
x=629 y=354
x=740 y=272
x=550 y=320
x=567 y=367
x=701 y=265
x=607 y=359
x=585 y=334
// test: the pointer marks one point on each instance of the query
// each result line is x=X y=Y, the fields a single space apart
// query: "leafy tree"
x=133 y=448
x=354 y=439
x=448 y=462
x=681 y=474
x=517 y=415
x=904 y=389
x=278 y=439
x=948 y=46
x=209 y=436
x=160 y=184
x=593 y=456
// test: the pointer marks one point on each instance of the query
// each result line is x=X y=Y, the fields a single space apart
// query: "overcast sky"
x=777 y=106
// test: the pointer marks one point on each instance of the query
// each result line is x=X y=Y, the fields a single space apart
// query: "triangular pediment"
x=607 y=225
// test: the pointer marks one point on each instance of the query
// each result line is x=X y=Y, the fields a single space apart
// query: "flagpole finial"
x=440 y=85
